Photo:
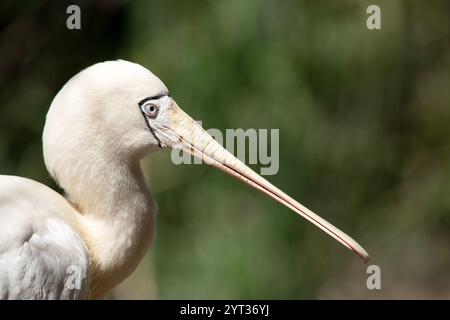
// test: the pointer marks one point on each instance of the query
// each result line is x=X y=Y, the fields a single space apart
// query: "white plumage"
x=40 y=253
x=98 y=128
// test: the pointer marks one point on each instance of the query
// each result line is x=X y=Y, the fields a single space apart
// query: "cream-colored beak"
x=186 y=134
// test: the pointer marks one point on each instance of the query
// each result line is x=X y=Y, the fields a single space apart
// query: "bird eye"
x=151 y=110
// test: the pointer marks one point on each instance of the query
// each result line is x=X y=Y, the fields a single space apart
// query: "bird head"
x=121 y=110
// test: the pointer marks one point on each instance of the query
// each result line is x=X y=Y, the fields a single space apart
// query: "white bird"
x=98 y=128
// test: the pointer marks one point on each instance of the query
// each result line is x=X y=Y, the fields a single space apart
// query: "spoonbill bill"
x=99 y=126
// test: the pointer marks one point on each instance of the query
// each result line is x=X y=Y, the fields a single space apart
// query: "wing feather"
x=41 y=255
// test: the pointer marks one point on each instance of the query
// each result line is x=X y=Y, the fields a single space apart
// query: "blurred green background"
x=364 y=119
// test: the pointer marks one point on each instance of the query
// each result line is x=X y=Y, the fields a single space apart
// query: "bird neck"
x=117 y=218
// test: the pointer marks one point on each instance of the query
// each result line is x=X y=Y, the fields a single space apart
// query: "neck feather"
x=117 y=216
